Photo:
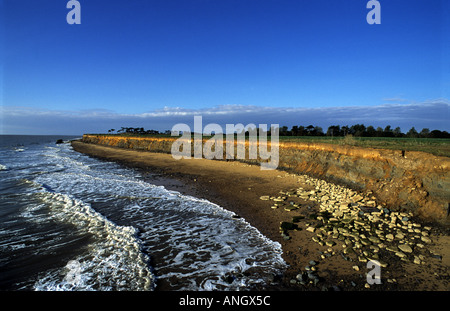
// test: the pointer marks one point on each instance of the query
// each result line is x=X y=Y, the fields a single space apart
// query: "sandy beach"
x=245 y=190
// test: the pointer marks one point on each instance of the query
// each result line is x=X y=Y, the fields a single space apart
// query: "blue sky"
x=152 y=64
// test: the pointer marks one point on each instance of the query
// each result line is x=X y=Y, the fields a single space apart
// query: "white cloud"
x=433 y=114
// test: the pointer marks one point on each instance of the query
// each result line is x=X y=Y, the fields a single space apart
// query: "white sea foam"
x=195 y=244
x=115 y=260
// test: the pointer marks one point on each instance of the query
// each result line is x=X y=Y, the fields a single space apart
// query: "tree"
x=379 y=132
x=283 y=131
x=370 y=131
x=318 y=131
x=301 y=130
x=439 y=134
x=425 y=133
x=412 y=133
x=345 y=130
x=397 y=132
x=310 y=130
x=334 y=130
x=357 y=130
x=388 y=131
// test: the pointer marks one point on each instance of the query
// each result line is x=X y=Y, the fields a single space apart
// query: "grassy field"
x=436 y=146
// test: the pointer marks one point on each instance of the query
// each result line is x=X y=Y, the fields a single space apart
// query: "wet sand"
x=238 y=187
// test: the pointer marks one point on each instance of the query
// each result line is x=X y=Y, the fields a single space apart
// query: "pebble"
x=425 y=239
x=405 y=248
x=400 y=254
x=400 y=236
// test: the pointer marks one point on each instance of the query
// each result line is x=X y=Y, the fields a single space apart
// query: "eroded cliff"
x=411 y=181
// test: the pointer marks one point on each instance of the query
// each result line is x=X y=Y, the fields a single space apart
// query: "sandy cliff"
x=412 y=181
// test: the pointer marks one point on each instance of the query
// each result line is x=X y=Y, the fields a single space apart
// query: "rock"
x=264 y=197
x=362 y=259
x=290 y=208
x=297 y=218
x=372 y=204
x=405 y=248
x=310 y=229
x=374 y=239
x=400 y=254
x=343 y=206
x=312 y=263
x=357 y=198
x=285 y=236
x=330 y=243
x=356 y=268
x=391 y=249
x=375 y=248
x=279 y=199
x=400 y=235
x=365 y=242
x=390 y=236
x=425 y=239
x=284 y=226
x=383 y=264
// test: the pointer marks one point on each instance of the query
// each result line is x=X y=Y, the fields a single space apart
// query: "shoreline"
x=239 y=187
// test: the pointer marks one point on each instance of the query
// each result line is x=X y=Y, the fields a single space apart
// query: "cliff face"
x=415 y=181
x=412 y=181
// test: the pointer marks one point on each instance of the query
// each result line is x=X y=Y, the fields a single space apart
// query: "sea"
x=70 y=222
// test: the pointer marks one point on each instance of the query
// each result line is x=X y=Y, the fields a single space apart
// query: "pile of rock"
x=309 y=276
x=353 y=224
x=363 y=227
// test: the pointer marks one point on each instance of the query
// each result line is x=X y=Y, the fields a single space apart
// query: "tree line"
x=360 y=130
x=357 y=130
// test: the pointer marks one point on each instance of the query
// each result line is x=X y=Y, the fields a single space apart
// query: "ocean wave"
x=115 y=260
x=194 y=244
